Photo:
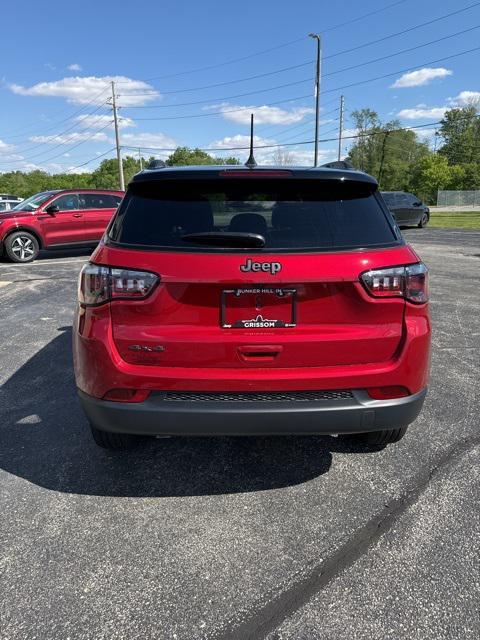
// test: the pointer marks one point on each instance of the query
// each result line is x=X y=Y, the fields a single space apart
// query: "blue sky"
x=57 y=59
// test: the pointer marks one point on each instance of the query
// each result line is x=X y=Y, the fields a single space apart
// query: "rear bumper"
x=159 y=416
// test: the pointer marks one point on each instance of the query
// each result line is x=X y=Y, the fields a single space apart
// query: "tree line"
x=25 y=184
x=402 y=162
x=396 y=156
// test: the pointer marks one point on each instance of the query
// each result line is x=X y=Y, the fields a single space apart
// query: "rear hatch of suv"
x=257 y=268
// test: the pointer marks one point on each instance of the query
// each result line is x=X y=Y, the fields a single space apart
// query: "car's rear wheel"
x=379 y=438
x=423 y=221
x=21 y=246
x=114 y=441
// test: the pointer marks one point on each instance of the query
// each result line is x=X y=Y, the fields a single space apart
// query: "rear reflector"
x=408 y=281
x=98 y=284
x=387 y=393
x=126 y=395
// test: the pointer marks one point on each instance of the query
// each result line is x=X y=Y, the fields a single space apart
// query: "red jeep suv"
x=56 y=220
x=240 y=301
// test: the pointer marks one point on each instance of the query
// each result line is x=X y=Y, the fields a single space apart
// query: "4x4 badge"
x=266 y=267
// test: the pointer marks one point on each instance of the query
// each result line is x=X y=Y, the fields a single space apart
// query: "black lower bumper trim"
x=156 y=416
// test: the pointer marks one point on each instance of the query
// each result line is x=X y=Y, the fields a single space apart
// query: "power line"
x=214 y=113
x=217 y=99
x=426 y=23
x=362 y=135
x=280 y=46
x=399 y=33
x=398 y=53
x=290 y=84
x=101 y=155
x=76 y=112
x=274 y=126
x=220 y=84
x=70 y=148
x=299 y=133
x=58 y=135
x=270 y=73
x=292 y=144
x=353 y=84
x=406 y=70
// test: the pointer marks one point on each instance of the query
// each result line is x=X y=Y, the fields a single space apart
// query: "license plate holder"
x=258 y=307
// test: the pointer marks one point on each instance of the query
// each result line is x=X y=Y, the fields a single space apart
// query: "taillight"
x=98 y=284
x=408 y=281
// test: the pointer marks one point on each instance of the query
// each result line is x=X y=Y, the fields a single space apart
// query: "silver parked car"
x=7 y=201
x=408 y=210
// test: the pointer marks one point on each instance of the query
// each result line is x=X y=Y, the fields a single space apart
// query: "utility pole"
x=380 y=173
x=140 y=159
x=317 y=93
x=121 y=179
x=340 y=127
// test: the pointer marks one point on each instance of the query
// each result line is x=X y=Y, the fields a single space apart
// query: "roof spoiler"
x=339 y=164
x=156 y=164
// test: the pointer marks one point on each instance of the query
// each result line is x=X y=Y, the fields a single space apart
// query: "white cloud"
x=465 y=99
x=82 y=90
x=70 y=138
x=263 y=114
x=83 y=169
x=422 y=113
x=99 y=121
x=145 y=140
x=74 y=67
x=425 y=135
x=420 y=77
x=348 y=133
x=5 y=148
x=240 y=140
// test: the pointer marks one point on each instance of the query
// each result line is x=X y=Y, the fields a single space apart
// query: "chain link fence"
x=458 y=199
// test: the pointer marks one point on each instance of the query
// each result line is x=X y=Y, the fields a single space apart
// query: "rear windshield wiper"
x=226 y=239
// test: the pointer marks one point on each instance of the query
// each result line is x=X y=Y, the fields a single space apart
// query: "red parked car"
x=56 y=220
x=237 y=301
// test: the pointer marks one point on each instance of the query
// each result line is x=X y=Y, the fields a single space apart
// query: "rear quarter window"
x=292 y=215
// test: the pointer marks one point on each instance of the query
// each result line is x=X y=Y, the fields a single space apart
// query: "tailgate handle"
x=259 y=352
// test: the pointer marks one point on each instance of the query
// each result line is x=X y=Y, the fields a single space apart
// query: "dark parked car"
x=408 y=210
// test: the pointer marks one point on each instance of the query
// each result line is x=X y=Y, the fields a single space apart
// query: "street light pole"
x=340 y=127
x=317 y=92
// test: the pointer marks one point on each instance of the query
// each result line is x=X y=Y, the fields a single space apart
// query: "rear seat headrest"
x=248 y=223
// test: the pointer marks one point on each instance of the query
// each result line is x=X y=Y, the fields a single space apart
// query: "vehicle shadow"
x=65 y=253
x=44 y=438
x=45 y=256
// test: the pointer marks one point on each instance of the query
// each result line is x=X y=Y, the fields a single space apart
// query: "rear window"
x=290 y=214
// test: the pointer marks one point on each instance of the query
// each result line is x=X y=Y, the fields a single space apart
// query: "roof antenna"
x=251 y=160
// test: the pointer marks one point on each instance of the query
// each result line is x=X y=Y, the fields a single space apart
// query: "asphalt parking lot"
x=278 y=538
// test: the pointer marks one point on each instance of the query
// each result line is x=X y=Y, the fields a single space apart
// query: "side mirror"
x=52 y=209
x=417 y=203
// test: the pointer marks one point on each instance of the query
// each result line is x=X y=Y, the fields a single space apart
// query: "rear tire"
x=21 y=246
x=114 y=441
x=379 y=438
x=423 y=221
